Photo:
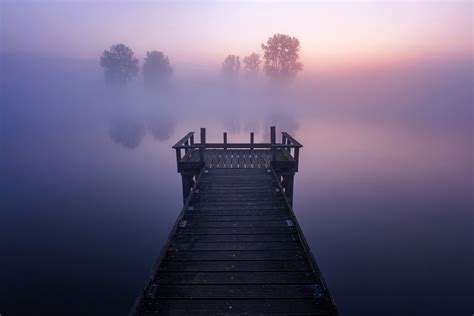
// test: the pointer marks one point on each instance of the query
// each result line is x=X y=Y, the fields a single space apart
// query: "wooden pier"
x=236 y=247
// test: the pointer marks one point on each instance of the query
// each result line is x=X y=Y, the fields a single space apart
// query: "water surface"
x=90 y=189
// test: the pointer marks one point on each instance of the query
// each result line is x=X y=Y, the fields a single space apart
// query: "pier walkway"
x=236 y=248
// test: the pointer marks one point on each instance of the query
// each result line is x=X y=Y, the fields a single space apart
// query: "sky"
x=332 y=34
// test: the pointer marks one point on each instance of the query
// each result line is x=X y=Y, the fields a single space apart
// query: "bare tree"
x=252 y=64
x=119 y=64
x=231 y=66
x=282 y=57
x=156 y=68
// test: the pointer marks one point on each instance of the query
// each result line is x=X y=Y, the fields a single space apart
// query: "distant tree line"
x=280 y=62
x=280 y=55
x=120 y=66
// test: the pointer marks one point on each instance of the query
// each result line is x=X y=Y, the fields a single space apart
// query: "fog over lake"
x=90 y=189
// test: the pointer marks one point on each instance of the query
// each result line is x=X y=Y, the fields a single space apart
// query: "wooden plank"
x=238 y=307
x=237 y=172
x=213 y=157
x=255 y=203
x=233 y=157
x=238 y=196
x=241 y=159
x=228 y=159
x=251 y=291
x=235 y=255
x=233 y=173
x=262 y=160
x=237 y=224
x=267 y=246
x=242 y=193
x=233 y=217
x=249 y=266
x=234 y=238
x=221 y=160
x=237 y=212
x=293 y=277
x=248 y=160
x=236 y=230
x=237 y=190
x=238 y=207
x=266 y=158
x=239 y=186
x=255 y=177
x=237 y=199
x=229 y=180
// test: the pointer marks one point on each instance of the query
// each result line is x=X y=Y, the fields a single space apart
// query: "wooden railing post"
x=186 y=149
x=203 y=143
x=285 y=141
x=272 y=142
x=297 y=157
x=178 y=157
x=251 y=140
x=225 y=140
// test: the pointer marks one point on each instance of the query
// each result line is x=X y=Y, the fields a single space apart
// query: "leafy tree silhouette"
x=156 y=68
x=252 y=64
x=231 y=66
x=119 y=64
x=282 y=57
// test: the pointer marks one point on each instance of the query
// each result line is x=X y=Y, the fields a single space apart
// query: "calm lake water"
x=90 y=189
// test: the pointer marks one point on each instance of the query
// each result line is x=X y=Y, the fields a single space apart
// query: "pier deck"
x=236 y=247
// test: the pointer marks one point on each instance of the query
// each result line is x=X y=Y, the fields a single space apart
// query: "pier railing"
x=288 y=148
x=284 y=156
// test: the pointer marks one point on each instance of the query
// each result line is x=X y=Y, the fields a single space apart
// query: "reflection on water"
x=383 y=193
x=161 y=127
x=129 y=134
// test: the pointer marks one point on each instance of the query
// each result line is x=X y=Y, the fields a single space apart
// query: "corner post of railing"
x=186 y=149
x=203 y=144
x=285 y=141
x=178 y=157
x=297 y=157
x=251 y=140
x=273 y=141
x=225 y=140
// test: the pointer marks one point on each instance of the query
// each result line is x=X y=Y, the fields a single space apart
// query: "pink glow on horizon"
x=336 y=34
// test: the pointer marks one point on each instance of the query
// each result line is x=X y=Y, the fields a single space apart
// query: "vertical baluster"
x=297 y=157
x=225 y=140
x=203 y=144
x=273 y=141
x=186 y=143
x=178 y=157
x=251 y=140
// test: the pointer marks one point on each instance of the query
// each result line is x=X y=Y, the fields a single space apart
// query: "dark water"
x=90 y=190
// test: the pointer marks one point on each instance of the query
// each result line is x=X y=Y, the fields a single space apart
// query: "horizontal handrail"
x=291 y=139
x=289 y=146
x=236 y=145
x=183 y=140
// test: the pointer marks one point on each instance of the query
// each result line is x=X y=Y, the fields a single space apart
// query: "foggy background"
x=89 y=183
